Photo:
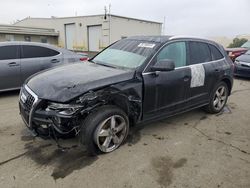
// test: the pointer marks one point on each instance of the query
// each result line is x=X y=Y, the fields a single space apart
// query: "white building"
x=92 y=33
x=18 y=33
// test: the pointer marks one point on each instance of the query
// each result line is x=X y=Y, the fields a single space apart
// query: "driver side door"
x=165 y=92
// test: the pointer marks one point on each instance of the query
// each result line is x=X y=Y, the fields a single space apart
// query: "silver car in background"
x=19 y=60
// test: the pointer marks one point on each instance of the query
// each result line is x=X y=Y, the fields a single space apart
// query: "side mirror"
x=163 y=65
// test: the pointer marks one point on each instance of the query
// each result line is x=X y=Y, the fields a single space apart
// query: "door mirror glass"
x=164 y=65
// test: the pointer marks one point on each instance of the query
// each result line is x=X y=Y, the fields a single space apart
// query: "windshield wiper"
x=91 y=60
x=106 y=65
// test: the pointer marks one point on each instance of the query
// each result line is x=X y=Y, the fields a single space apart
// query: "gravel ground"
x=194 y=149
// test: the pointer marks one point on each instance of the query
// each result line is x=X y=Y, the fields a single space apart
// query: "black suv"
x=135 y=80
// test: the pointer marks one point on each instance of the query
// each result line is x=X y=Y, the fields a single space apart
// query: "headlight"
x=63 y=109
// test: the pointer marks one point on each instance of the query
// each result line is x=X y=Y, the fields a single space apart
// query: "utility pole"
x=163 y=26
x=109 y=23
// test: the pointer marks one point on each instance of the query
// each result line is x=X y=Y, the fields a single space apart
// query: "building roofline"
x=137 y=19
x=13 y=29
x=112 y=15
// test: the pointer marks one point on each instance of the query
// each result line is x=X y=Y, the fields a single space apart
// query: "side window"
x=216 y=54
x=199 y=52
x=174 y=51
x=29 y=51
x=9 y=52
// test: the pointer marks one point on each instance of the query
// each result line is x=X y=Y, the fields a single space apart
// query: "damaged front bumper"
x=41 y=119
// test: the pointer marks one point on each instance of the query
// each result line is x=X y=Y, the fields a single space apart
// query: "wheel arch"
x=229 y=84
x=129 y=105
x=128 y=101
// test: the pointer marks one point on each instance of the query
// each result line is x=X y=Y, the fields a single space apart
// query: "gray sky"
x=183 y=17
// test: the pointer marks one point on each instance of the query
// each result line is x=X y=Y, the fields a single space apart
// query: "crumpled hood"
x=66 y=82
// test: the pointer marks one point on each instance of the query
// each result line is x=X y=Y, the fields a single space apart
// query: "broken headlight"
x=90 y=96
x=63 y=109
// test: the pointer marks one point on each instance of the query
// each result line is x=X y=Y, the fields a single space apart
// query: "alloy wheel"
x=220 y=98
x=110 y=133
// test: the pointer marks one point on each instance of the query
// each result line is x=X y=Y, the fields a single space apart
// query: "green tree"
x=237 y=42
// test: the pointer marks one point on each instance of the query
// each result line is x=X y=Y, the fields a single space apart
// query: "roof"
x=159 y=38
x=137 y=19
x=165 y=38
x=23 y=42
x=112 y=15
x=12 y=29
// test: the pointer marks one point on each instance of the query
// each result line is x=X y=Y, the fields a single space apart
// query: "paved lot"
x=194 y=149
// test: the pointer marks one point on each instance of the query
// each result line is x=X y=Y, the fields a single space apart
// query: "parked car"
x=83 y=56
x=242 y=65
x=246 y=45
x=19 y=60
x=135 y=80
x=236 y=52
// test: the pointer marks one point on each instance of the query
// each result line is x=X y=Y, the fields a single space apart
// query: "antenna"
x=105 y=12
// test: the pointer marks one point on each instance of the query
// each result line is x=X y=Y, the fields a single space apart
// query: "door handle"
x=55 y=61
x=216 y=70
x=13 y=64
x=186 y=78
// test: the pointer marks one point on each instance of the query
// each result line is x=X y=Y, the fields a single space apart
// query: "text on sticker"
x=146 y=45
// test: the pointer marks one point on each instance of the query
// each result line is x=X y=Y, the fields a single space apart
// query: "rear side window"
x=9 y=52
x=216 y=54
x=29 y=51
x=174 y=51
x=199 y=52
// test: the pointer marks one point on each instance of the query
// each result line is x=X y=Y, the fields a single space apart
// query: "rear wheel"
x=104 y=130
x=218 y=98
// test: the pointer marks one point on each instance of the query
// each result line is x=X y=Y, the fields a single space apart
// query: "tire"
x=218 y=98
x=104 y=130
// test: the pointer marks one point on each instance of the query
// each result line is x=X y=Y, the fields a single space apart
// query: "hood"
x=64 y=83
x=244 y=58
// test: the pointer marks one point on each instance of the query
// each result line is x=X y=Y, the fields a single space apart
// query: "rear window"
x=9 y=52
x=29 y=51
x=199 y=52
x=216 y=54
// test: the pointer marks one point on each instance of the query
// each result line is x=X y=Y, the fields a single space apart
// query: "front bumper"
x=40 y=121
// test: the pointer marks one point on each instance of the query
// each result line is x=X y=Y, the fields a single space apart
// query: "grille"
x=29 y=101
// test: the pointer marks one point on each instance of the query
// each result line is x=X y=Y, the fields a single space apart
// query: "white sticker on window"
x=197 y=75
x=146 y=45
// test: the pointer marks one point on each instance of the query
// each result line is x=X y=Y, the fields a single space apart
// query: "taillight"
x=84 y=59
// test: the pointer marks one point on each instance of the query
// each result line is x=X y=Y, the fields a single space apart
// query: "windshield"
x=126 y=53
x=246 y=44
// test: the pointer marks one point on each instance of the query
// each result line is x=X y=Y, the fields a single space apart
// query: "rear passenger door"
x=9 y=67
x=37 y=58
x=204 y=69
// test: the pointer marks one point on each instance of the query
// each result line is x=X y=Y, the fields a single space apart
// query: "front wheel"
x=218 y=98
x=104 y=130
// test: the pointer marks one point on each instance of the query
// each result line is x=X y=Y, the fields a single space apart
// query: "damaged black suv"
x=133 y=81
